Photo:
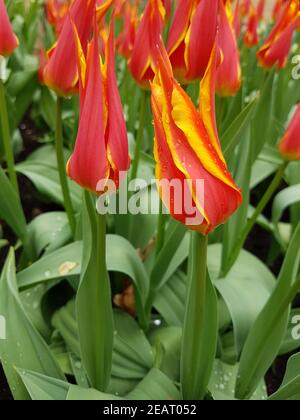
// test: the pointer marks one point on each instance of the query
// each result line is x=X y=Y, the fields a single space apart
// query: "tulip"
x=8 y=40
x=245 y=7
x=101 y=149
x=237 y=19
x=168 y=7
x=126 y=39
x=143 y=57
x=275 y=50
x=192 y=36
x=251 y=38
x=43 y=60
x=61 y=73
x=56 y=11
x=289 y=146
x=187 y=148
x=228 y=80
x=261 y=9
x=277 y=9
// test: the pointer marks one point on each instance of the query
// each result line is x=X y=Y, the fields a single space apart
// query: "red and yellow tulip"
x=187 y=148
x=251 y=38
x=126 y=38
x=289 y=146
x=101 y=149
x=228 y=79
x=56 y=11
x=142 y=64
x=8 y=40
x=61 y=72
x=260 y=11
x=275 y=50
x=192 y=36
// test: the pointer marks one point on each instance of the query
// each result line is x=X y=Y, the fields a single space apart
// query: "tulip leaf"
x=10 y=208
x=200 y=327
x=284 y=199
x=268 y=331
x=155 y=386
x=235 y=132
x=48 y=232
x=261 y=125
x=248 y=277
x=46 y=180
x=43 y=388
x=93 y=300
x=290 y=388
x=170 y=300
x=23 y=346
x=223 y=381
x=65 y=262
x=173 y=254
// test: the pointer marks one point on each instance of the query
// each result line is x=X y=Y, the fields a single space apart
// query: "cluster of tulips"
x=206 y=73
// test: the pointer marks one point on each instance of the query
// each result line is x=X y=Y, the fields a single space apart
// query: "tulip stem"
x=251 y=222
x=161 y=222
x=140 y=133
x=194 y=319
x=61 y=164
x=7 y=143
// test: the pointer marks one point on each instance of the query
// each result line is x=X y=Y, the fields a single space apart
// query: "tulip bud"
x=228 y=81
x=142 y=63
x=289 y=146
x=8 y=40
x=187 y=151
x=275 y=50
x=101 y=149
x=192 y=36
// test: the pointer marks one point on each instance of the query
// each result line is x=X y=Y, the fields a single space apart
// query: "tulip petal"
x=116 y=133
x=8 y=40
x=88 y=165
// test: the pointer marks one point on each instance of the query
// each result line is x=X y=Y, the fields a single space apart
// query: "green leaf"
x=262 y=122
x=10 y=208
x=46 y=180
x=44 y=388
x=248 y=277
x=168 y=339
x=223 y=381
x=282 y=201
x=93 y=300
x=121 y=257
x=265 y=338
x=49 y=231
x=170 y=300
x=235 y=132
x=290 y=388
x=200 y=329
x=173 y=254
x=155 y=386
x=23 y=346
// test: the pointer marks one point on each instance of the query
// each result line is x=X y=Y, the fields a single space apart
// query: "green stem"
x=61 y=164
x=251 y=222
x=161 y=222
x=9 y=155
x=140 y=133
x=194 y=318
